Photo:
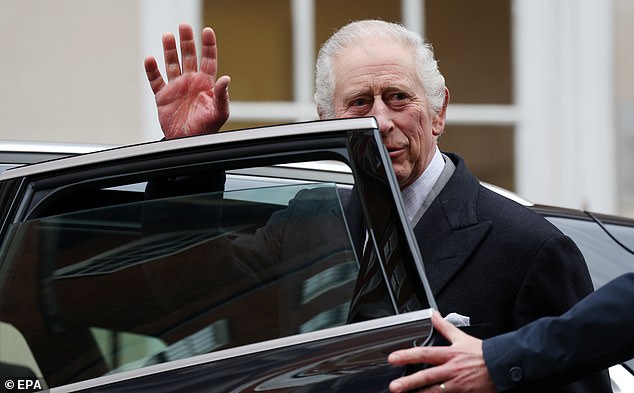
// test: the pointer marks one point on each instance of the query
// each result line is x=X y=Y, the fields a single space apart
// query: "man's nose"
x=383 y=115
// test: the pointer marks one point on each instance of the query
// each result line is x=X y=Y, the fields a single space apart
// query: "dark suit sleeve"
x=159 y=215
x=556 y=280
x=593 y=335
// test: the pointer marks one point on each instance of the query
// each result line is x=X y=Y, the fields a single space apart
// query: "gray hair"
x=427 y=68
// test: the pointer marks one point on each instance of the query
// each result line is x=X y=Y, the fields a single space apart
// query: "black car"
x=132 y=268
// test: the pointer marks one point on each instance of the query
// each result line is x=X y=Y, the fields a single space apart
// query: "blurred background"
x=542 y=97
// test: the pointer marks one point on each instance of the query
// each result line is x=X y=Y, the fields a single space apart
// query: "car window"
x=135 y=284
x=4 y=167
x=623 y=234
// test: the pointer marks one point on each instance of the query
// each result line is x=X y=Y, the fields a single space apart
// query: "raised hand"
x=459 y=368
x=193 y=102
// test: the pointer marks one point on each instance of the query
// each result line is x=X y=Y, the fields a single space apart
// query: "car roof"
x=165 y=146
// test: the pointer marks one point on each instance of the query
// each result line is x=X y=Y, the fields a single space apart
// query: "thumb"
x=221 y=93
x=447 y=329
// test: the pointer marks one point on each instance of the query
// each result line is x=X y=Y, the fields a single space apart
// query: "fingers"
x=430 y=355
x=172 y=66
x=456 y=364
x=427 y=355
x=428 y=378
x=188 y=52
x=221 y=93
x=209 y=59
x=153 y=74
x=188 y=48
x=448 y=330
x=417 y=355
x=208 y=64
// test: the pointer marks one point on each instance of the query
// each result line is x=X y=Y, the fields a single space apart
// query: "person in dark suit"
x=596 y=333
x=493 y=263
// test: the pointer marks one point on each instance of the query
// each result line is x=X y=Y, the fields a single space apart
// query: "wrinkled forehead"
x=354 y=34
x=373 y=40
x=374 y=58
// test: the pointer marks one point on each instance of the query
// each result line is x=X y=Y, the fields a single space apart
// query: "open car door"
x=226 y=262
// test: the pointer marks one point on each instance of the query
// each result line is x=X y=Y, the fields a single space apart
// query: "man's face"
x=379 y=79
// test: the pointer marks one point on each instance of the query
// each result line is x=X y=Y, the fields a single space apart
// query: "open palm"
x=193 y=102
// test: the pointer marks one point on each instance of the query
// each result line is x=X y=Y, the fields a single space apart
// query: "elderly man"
x=488 y=259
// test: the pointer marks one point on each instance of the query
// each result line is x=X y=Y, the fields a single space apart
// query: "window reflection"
x=116 y=295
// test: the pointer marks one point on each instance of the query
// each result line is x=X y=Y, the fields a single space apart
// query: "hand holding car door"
x=594 y=334
x=459 y=367
x=193 y=101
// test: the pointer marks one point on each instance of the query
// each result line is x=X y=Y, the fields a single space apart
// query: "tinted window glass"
x=113 y=288
x=623 y=234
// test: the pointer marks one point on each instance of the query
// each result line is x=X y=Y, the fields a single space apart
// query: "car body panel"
x=330 y=360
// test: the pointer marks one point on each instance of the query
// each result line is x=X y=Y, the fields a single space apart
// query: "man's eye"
x=359 y=102
x=399 y=96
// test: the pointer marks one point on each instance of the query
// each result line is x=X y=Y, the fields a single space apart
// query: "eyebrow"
x=356 y=92
x=364 y=91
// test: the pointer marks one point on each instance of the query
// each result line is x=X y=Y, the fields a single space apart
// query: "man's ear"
x=320 y=113
x=438 y=123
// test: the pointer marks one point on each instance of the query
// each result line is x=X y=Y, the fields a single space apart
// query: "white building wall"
x=69 y=70
x=73 y=69
x=624 y=108
x=564 y=92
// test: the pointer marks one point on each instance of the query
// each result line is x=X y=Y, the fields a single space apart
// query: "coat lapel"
x=444 y=256
x=449 y=232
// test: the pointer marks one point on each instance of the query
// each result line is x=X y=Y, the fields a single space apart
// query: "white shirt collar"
x=415 y=193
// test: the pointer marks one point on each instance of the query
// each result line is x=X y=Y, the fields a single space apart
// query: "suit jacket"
x=594 y=334
x=497 y=262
